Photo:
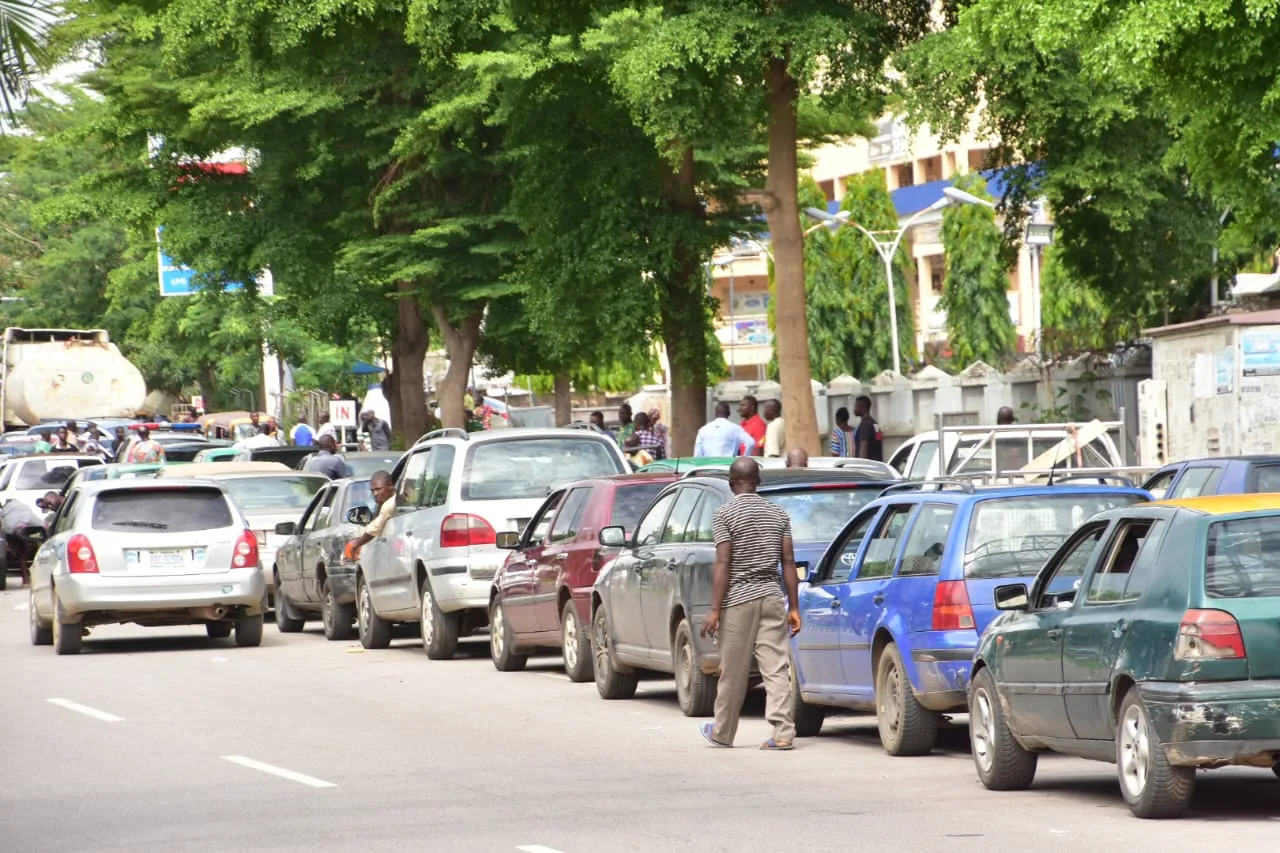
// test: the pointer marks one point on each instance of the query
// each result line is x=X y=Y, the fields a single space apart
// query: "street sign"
x=342 y=413
x=197 y=402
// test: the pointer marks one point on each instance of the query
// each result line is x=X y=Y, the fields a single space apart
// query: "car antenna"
x=1052 y=469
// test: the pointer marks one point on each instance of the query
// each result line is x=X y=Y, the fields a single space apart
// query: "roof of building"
x=1241 y=318
x=908 y=200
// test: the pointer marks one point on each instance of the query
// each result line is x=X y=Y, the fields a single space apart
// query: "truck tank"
x=66 y=373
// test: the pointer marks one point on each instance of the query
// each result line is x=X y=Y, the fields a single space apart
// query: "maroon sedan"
x=541 y=597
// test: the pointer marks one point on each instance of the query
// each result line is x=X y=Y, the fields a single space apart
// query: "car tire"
x=610 y=683
x=906 y=726
x=1002 y=763
x=218 y=630
x=286 y=620
x=808 y=718
x=374 y=631
x=338 y=619
x=439 y=629
x=575 y=645
x=41 y=633
x=502 y=645
x=67 y=637
x=695 y=690
x=249 y=631
x=1151 y=786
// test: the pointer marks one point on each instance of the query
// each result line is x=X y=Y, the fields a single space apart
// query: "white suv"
x=455 y=491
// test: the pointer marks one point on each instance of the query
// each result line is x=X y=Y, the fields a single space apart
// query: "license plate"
x=178 y=558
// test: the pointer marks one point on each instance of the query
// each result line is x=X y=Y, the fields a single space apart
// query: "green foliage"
x=23 y=49
x=1076 y=317
x=975 y=289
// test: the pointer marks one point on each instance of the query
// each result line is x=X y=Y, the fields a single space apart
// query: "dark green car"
x=1151 y=639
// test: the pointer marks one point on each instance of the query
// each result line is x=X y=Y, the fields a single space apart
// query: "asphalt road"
x=163 y=740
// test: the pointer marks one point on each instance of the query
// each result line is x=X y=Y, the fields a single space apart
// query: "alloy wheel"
x=890 y=703
x=428 y=617
x=602 y=641
x=496 y=640
x=982 y=730
x=570 y=638
x=326 y=610
x=1135 y=751
x=365 y=608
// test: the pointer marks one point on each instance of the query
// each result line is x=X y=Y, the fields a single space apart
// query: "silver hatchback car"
x=151 y=552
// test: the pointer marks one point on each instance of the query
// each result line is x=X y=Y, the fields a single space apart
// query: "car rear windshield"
x=630 y=501
x=1015 y=536
x=262 y=493
x=534 y=467
x=176 y=510
x=1242 y=559
x=818 y=514
x=367 y=466
x=45 y=474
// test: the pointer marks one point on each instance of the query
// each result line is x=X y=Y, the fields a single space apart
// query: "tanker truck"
x=48 y=374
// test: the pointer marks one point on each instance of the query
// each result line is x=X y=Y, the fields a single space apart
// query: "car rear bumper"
x=83 y=593
x=1236 y=722
x=942 y=678
x=463 y=582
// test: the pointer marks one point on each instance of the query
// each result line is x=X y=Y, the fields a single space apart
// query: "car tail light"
x=462 y=531
x=80 y=556
x=246 y=551
x=1209 y=635
x=951 y=610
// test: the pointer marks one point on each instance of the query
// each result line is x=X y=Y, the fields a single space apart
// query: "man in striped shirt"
x=748 y=615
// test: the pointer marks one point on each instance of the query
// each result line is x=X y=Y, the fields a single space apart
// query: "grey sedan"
x=315 y=574
x=151 y=552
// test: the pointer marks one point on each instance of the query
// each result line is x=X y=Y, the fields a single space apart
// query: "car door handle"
x=1119 y=629
x=1053 y=633
x=835 y=604
x=878 y=599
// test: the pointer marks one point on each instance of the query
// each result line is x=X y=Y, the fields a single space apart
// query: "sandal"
x=708 y=731
x=777 y=745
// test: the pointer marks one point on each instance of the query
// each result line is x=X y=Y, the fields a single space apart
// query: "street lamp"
x=1038 y=236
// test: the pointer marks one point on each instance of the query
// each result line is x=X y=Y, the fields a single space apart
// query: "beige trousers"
x=757 y=629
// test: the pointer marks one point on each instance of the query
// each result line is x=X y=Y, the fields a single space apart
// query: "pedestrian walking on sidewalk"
x=749 y=617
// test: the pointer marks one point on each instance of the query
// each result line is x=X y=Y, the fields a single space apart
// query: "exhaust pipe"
x=216 y=611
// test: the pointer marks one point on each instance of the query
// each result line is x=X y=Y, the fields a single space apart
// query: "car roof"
x=1225 y=504
x=638 y=477
x=1014 y=491
x=99 y=486
x=210 y=469
x=485 y=436
x=1211 y=459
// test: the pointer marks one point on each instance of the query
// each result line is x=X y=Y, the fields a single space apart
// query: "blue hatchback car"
x=893 y=610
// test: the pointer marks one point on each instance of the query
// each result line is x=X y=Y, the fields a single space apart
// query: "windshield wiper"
x=156 y=525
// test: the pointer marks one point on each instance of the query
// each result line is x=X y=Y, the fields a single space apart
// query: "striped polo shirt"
x=756 y=528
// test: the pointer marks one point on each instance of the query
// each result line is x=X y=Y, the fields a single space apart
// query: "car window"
x=924 y=460
x=183 y=509
x=409 y=488
x=565 y=527
x=309 y=516
x=1197 y=480
x=700 y=526
x=324 y=512
x=650 y=528
x=844 y=556
x=1242 y=558
x=1107 y=583
x=681 y=516
x=1266 y=479
x=818 y=514
x=882 y=549
x=898 y=461
x=629 y=501
x=1066 y=567
x=7 y=475
x=540 y=524
x=922 y=554
x=274 y=492
x=1159 y=484
x=435 y=479
x=530 y=467
x=62 y=519
x=47 y=474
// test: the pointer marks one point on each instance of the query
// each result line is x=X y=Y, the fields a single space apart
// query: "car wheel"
x=906 y=726
x=249 y=631
x=610 y=683
x=695 y=690
x=67 y=636
x=439 y=629
x=502 y=646
x=41 y=633
x=1003 y=765
x=218 y=630
x=286 y=620
x=375 y=632
x=336 y=618
x=808 y=718
x=1152 y=787
x=575 y=645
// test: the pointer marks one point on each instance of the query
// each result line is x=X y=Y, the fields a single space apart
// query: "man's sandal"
x=777 y=745
x=708 y=731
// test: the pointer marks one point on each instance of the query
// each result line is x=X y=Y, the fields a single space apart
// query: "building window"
x=903 y=173
x=931 y=168
x=978 y=159
x=828 y=189
x=936 y=276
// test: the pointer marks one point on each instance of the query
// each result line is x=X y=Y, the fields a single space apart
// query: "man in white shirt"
x=775 y=435
x=722 y=437
x=264 y=438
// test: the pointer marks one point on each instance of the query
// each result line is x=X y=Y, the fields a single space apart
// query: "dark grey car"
x=315 y=575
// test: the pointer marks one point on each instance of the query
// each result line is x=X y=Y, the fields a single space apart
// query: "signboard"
x=342 y=413
x=1224 y=370
x=179 y=279
x=889 y=143
x=755 y=332
x=197 y=402
x=1260 y=350
x=752 y=302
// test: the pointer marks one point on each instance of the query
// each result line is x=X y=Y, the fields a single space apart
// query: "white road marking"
x=536 y=848
x=278 y=771
x=86 y=710
x=558 y=677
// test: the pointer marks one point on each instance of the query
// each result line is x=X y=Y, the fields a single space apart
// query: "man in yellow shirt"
x=384 y=493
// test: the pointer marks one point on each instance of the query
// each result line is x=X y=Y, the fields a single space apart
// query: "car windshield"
x=251 y=493
x=1242 y=559
x=1011 y=453
x=45 y=474
x=533 y=467
x=174 y=510
x=367 y=466
x=629 y=502
x=1015 y=536
x=818 y=514
x=358 y=494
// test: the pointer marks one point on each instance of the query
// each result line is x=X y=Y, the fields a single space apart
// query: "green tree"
x=23 y=48
x=975 y=289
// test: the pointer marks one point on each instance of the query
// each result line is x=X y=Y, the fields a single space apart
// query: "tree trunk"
x=683 y=316
x=209 y=387
x=409 y=353
x=460 y=343
x=391 y=391
x=564 y=401
x=782 y=209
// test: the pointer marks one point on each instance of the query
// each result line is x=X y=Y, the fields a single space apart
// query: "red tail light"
x=246 y=551
x=80 y=556
x=951 y=610
x=462 y=531
x=1209 y=635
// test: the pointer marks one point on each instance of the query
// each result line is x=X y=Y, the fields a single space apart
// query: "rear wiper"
x=156 y=525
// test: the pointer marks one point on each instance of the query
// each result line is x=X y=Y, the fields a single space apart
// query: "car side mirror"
x=286 y=528
x=802 y=570
x=34 y=533
x=508 y=540
x=359 y=515
x=613 y=537
x=1012 y=596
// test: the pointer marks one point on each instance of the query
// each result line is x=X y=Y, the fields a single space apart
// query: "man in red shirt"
x=752 y=423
